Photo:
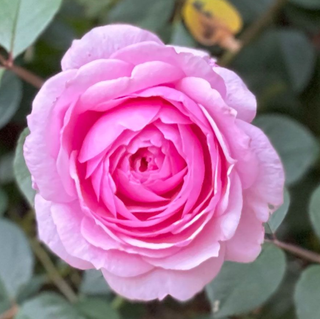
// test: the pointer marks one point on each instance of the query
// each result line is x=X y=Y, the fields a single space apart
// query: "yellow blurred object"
x=213 y=22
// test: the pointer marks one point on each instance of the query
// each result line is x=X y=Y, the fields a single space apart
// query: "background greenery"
x=280 y=62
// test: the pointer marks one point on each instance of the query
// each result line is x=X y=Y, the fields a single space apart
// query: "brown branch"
x=297 y=251
x=24 y=74
x=253 y=31
x=52 y=272
x=9 y=314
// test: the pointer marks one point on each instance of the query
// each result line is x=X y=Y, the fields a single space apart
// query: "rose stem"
x=253 y=31
x=295 y=250
x=24 y=74
x=52 y=272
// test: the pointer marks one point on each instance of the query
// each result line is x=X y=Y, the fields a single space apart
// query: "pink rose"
x=146 y=165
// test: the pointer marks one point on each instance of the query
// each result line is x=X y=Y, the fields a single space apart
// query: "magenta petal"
x=202 y=248
x=134 y=116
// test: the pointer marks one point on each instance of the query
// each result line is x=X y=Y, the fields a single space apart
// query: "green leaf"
x=5 y=302
x=3 y=202
x=22 y=21
x=32 y=287
x=296 y=146
x=152 y=15
x=2 y=70
x=307 y=20
x=48 y=306
x=314 y=211
x=241 y=288
x=6 y=168
x=94 y=8
x=298 y=56
x=307 y=294
x=10 y=96
x=93 y=283
x=308 y=4
x=281 y=305
x=180 y=36
x=16 y=263
x=21 y=171
x=95 y=308
x=250 y=10
x=278 y=216
x=280 y=57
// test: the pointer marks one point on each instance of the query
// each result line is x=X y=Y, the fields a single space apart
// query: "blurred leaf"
x=305 y=19
x=94 y=8
x=6 y=168
x=2 y=70
x=21 y=171
x=241 y=288
x=5 y=302
x=16 y=263
x=129 y=310
x=307 y=294
x=296 y=146
x=308 y=4
x=48 y=306
x=32 y=287
x=280 y=55
x=151 y=15
x=93 y=283
x=180 y=36
x=3 y=202
x=59 y=35
x=296 y=48
x=314 y=211
x=10 y=97
x=22 y=21
x=278 y=216
x=251 y=10
x=95 y=308
x=281 y=305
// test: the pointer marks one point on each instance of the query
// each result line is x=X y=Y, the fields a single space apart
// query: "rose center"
x=143 y=164
x=143 y=160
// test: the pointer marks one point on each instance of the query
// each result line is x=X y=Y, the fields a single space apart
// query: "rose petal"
x=101 y=42
x=40 y=163
x=238 y=95
x=48 y=234
x=159 y=283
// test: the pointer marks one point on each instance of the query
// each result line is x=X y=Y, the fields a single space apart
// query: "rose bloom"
x=146 y=165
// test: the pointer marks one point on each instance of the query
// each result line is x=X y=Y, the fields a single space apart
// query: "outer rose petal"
x=48 y=234
x=159 y=283
x=201 y=53
x=41 y=164
x=245 y=245
x=67 y=219
x=238 y=95
x=101 y=42
x=266 y=194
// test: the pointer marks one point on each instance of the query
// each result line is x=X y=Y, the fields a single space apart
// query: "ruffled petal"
x=159 y=283
x=41 y=164
x=238 y=95
x=48 y=234
x=102 y=42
